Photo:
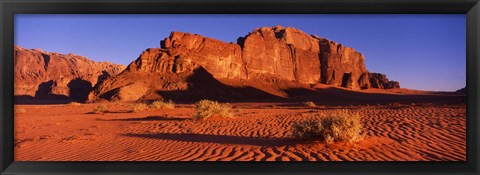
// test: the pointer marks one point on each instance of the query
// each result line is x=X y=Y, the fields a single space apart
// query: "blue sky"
x=426 y=52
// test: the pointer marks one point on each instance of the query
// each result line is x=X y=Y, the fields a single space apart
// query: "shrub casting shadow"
x=221 y=139
x=148 y=118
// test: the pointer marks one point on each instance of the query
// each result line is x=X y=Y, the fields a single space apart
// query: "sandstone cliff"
x=46 y=75
x=269 y=55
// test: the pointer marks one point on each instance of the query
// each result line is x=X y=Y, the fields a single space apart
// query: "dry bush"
x=310 y=104
x=19 y=110
x=205 y=109
x=162 y=105
x=100 y=109
x=342 y=126
x=139 y=107
x=74 y=104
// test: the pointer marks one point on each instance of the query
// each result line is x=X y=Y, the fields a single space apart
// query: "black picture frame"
x=8 y=8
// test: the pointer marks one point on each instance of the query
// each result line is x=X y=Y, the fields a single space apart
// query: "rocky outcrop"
x=286 y=53
x=268 y=54
x=182 y=52
x=462 y=91
x=46 y=75
x=376 y=80
x=340 y=65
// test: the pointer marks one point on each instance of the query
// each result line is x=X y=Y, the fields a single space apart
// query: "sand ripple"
x=392 y=134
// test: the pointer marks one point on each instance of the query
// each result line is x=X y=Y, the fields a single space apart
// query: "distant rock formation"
x=45 y=75
x=462 y=91
x=266 y=55
x=376 y=80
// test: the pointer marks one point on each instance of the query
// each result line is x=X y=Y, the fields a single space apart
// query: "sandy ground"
x=259 y=131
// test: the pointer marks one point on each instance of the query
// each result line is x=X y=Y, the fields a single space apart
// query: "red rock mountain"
x=44 y=75
x=267 y=62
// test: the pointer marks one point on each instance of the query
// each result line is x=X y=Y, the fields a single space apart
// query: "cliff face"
x=267 y=54
x=46 y=75
x=376 y=80
x=285 y=53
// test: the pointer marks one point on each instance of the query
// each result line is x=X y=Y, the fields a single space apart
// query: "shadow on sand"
x=148 y=118
x=221 y=139
x=202 y=85
x=339 y=96
x=77 y=90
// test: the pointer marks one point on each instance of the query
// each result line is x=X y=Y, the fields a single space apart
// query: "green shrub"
x=309 y=104
x=205 y=109
x=343 y=126
x=139 y=107
x=162 y=105
x=100 y=109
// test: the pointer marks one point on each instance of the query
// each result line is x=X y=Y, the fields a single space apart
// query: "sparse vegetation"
x=343 y=126
x=19 y=110
x=206 y=108
x=310 y=104
x=100 y=109
x=162 y=105
x=74 y=104
x=139 y=107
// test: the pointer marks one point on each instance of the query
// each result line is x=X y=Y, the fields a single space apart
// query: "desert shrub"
x=342 y=126
x=162 y=105
x=74 y=104
x=100 y=109
x=205 y=109
x=139 y=107
x=309 y=104
x=19 y=110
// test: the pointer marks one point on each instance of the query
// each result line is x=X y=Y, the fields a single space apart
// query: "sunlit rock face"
x=279 y=53
x=46 y=75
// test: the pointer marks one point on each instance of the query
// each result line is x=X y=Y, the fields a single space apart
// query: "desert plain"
x=267 y=77
x=257 y=132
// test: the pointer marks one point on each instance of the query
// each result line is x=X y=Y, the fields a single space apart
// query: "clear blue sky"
x=426 y=52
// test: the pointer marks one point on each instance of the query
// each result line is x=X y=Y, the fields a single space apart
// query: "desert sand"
x=258 y=132
x=266 y=76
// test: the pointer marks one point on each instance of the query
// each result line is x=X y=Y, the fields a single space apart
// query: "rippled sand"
x=260 y=132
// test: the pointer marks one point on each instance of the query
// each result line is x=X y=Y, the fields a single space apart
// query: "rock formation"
x=376 y=80
x=462 y=91
x=46 y=75
x=266 y=55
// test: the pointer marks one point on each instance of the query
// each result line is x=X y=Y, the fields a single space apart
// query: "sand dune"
x=260 y=132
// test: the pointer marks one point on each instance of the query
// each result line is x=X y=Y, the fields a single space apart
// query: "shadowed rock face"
x=340 y=65
x=267 y=54
x=376 y=80
x=462 y=91
x=46 y=75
